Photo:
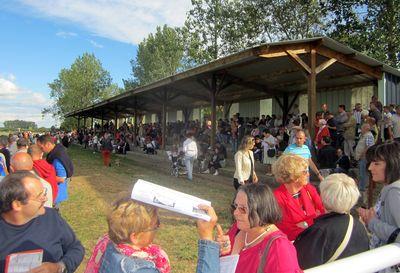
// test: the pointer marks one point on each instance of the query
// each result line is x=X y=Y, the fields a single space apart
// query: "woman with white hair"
x=322 y=132
x=336 y=234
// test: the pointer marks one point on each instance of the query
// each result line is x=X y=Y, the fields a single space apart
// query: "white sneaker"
x=216 y=173
x=206 y=171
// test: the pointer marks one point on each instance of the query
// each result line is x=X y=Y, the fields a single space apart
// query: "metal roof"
x=255 y=73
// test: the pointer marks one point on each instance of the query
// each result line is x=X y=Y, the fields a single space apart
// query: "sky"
x=38 y=38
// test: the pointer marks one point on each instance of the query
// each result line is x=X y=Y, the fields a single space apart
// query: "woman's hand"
x=204 y=228
x=255 y=178
x=223 y=241
x=367 y=214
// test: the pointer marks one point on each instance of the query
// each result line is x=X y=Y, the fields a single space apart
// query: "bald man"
x=23 y=162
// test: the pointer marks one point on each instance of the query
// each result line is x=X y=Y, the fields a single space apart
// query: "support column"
x=116 y=122
x=102 y=122
x=79 y=122
x=91 y=126
x=164 y=120
x=213 y=109
x=312 y=92
x=285 y=108
x=227 y=108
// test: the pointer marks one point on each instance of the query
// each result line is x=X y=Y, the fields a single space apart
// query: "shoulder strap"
x=345 y=241
x=263 y=259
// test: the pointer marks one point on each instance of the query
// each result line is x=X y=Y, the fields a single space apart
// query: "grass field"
x=94 y=187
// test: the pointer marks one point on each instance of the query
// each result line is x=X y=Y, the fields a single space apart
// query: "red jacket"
x=293 y=213
x=46 y=171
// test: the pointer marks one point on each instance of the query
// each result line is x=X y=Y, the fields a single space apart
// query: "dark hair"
x=22 y=142
x=263 y=208
x=389 y=152
x=12 y=188
x=342 y=106
x=45 y=139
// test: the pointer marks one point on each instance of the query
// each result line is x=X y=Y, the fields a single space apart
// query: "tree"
x=20 y=124
x=158 y=56
x=369 y=26
x=84 y=83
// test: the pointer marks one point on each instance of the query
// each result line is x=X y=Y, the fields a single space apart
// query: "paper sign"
x=168 y=199
x=22 y=262
x=228 y=264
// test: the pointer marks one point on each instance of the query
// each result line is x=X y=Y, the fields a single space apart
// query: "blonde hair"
x=339 y=193
x=247 y=141
x=289 y=168
x=127 y=217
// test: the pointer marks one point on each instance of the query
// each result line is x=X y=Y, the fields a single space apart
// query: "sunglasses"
x=242 y=209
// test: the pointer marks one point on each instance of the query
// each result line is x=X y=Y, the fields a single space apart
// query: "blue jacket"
x=114 y=262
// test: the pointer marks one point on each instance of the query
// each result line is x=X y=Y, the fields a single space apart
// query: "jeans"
x=208 y=257
x=363 y=175
x=114 y=262
x=235 y=142
x=189 y=166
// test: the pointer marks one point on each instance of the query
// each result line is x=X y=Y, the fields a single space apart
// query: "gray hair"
x=339 y=193
x=3 y=141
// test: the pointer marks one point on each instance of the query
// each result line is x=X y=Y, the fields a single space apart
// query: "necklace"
x=246 y=244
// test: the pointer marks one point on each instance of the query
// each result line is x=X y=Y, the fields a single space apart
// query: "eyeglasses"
x=157 y=226
x=242 y=209
x=41 y=196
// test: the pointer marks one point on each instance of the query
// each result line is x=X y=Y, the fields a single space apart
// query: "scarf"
x=60 y=153
x=48 y=173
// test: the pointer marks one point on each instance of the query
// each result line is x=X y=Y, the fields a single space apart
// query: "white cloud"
x=20 y=103
x=66 y=34
x=126 y=21
x=96 y=44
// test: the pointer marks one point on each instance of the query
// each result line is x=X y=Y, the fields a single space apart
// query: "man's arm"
x=315 y=169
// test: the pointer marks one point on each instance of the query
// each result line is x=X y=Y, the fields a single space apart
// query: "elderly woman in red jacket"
x=297 y=198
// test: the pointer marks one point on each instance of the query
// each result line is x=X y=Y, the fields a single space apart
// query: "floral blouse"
x=152 y=253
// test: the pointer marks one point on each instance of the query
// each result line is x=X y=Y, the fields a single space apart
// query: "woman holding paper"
x=244 y=163
x=261 y=246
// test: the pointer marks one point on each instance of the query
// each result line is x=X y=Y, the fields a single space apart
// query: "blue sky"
x=39 y=38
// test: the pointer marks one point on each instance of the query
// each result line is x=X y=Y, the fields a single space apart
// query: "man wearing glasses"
x=26 y=225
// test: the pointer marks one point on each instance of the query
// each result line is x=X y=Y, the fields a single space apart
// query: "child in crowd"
x=131 y=229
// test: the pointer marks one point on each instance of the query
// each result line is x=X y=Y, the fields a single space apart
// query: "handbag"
x=271 y=152
x=345 y=241
x=263 y=259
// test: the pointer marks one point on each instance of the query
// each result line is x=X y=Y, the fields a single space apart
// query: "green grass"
x=94 y=187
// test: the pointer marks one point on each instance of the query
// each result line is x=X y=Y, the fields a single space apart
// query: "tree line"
x=217 y=28
x=19 y=124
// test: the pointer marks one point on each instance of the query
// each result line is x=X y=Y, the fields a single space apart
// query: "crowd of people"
x=288 y=229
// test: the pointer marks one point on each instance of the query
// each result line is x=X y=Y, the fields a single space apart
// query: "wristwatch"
x=61 y=267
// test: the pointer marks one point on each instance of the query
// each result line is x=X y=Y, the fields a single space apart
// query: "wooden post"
x=84 y=123
x=79 y=122
x=116 y=122
x=164 y=120
x=213 y=109
x=92 y=124
x=102 y=122
x=312 y=92
x=227 y=108
x=285 y=108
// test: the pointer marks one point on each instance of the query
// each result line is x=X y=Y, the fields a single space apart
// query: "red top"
x=281 y=258
x=320 y=135
x=303 y=209
x=46 y=171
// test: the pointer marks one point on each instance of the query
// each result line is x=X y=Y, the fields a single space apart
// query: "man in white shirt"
x=190 y=150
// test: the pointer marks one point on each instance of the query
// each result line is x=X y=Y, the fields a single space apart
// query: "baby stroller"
x=178 y=164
